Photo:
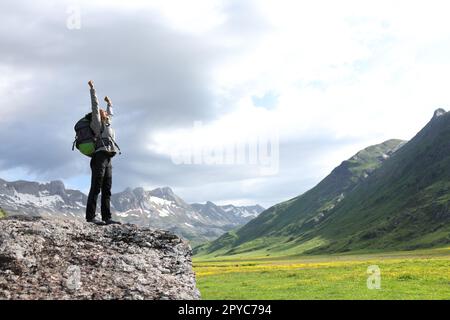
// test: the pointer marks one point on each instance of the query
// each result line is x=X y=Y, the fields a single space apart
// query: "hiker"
x=105 y=149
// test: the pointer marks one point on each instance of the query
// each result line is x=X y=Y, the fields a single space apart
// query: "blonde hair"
x=103 y=115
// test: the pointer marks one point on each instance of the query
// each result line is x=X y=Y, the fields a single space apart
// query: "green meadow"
x=421 y=274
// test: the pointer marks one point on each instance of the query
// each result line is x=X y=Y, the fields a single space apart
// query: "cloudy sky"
x=312 y=82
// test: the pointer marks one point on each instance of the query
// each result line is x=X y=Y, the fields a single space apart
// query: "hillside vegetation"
x=392 y=196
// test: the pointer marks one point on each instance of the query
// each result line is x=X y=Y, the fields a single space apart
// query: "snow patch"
x=164 y=213
x=24 y=199
x=160 y=201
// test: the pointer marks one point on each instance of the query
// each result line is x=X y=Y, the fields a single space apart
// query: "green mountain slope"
x=373 y=201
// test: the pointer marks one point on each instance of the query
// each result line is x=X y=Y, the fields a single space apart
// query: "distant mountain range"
x=395 y=195
x=159 y=208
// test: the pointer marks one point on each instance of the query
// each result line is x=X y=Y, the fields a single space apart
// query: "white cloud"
x=346 y=73
x=346 y=68
x=194 y=16
x=352 y=70
x=13 y=86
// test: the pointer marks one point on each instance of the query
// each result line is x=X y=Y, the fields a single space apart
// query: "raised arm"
x=109 y=107
x=95 y=123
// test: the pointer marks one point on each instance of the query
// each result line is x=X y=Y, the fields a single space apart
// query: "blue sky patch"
x=267 y=101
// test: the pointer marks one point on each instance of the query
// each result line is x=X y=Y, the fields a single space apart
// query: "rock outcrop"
x=68 y=259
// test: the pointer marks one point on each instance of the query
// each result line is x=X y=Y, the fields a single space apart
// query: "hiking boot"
x=110 y=221
x=95 y=221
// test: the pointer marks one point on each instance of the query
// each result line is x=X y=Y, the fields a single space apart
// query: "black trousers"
x=101 y=181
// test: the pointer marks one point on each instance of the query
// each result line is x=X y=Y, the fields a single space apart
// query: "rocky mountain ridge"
x=159 y=208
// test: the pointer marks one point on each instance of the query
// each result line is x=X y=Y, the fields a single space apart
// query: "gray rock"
x=68 y=259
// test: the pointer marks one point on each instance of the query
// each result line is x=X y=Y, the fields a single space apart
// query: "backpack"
x=85 y=139
x=84 y=136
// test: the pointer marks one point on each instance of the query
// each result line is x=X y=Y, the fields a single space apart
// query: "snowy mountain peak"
x=164 y=192
x=35 y=198
x=167 y=193
x=159 y=208
x=231 y=213
x=139 y=192
x=57 y=187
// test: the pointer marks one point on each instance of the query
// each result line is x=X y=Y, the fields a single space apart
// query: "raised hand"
x=108 y=100
x=91 y=84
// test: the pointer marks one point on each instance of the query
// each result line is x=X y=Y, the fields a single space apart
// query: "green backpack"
x=84 y=136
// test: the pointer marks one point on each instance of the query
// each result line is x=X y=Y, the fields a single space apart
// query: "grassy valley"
x=420 y=274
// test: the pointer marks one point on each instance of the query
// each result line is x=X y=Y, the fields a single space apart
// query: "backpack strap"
x=118 y=148
x=101 y=133
x=101 y=138
x=73 y=144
